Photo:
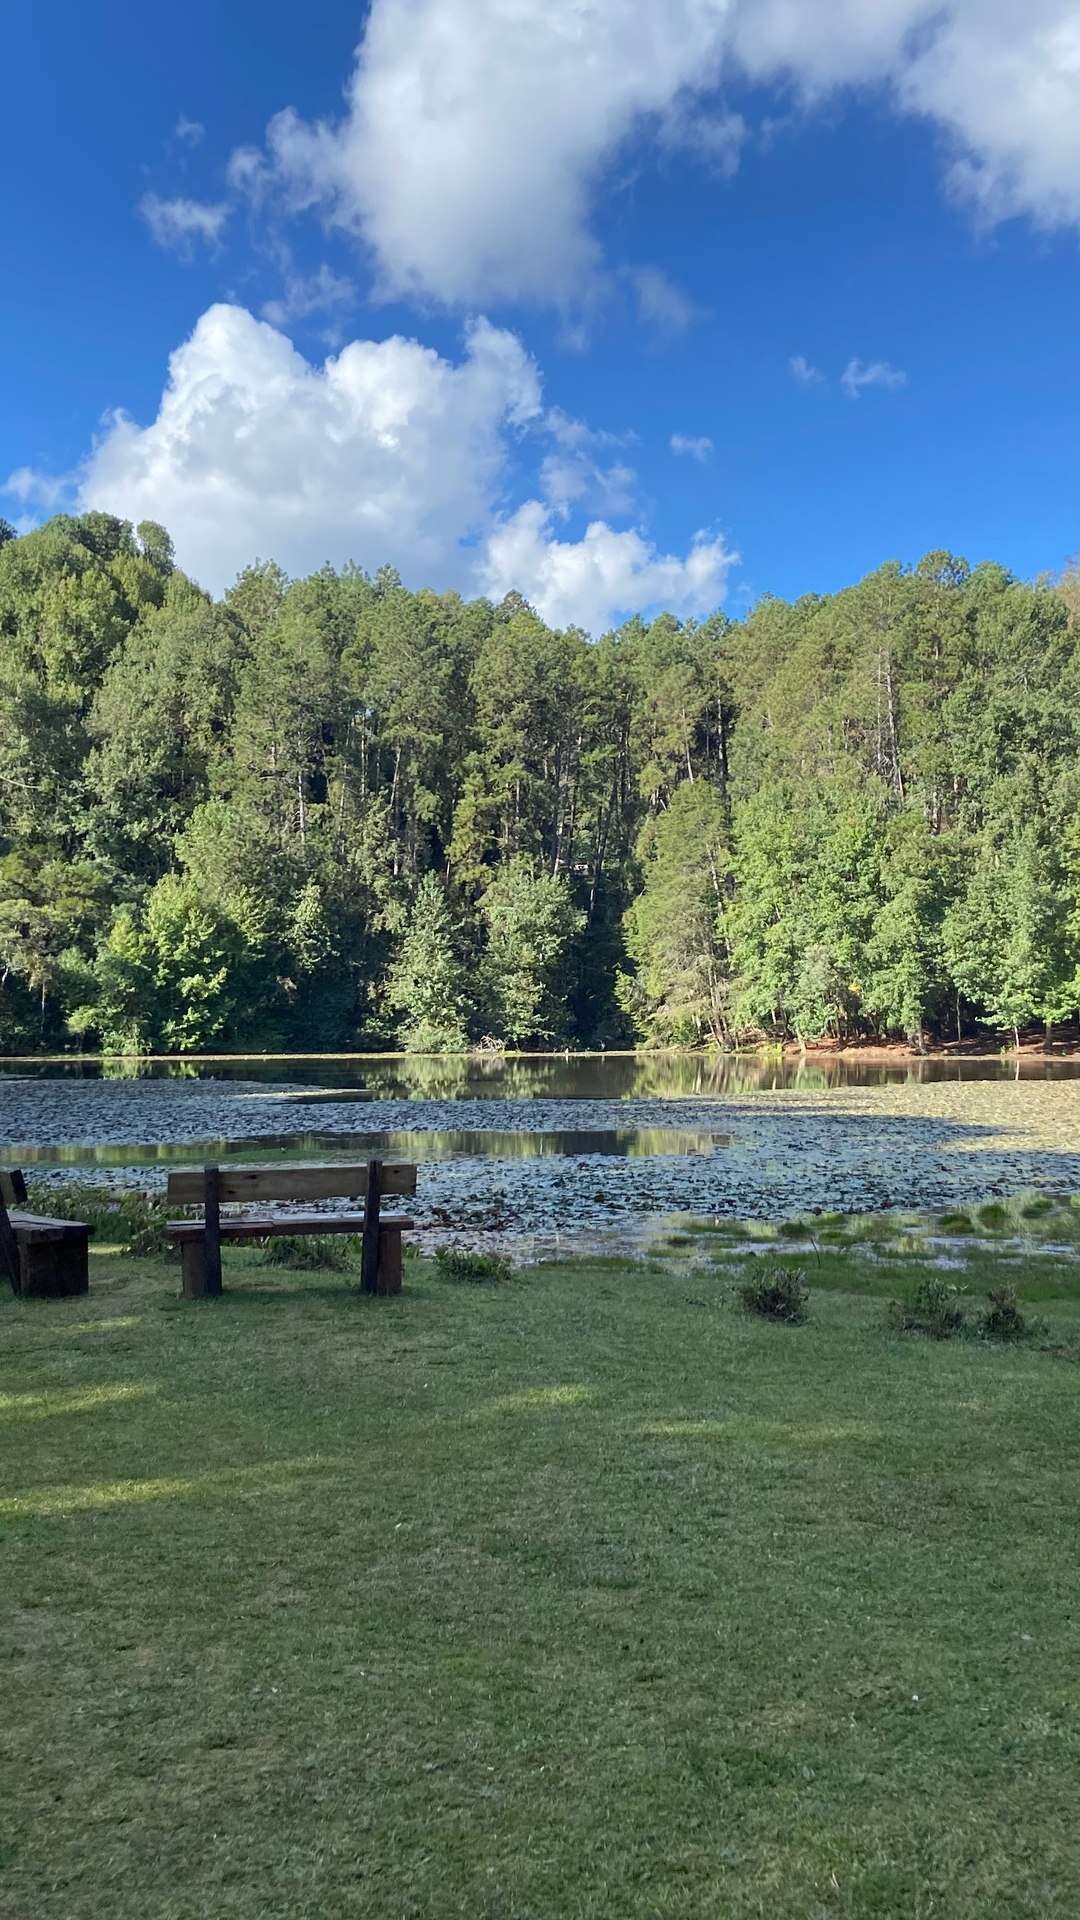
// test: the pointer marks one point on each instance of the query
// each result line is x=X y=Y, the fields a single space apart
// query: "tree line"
x=334 y=813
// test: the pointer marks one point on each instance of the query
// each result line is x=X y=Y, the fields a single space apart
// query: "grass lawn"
x=589 y=1595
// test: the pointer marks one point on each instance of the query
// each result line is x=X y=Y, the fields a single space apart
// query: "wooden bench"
x=44 y=1259
x=211 y=1188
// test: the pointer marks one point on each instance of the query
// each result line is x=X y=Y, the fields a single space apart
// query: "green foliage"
x=169 y=979
x=332 y=812
x=681 y=991
x=531 y=923
x=133 y=1223
x=777 y=1293
x=474 y=1269
x=428 y=985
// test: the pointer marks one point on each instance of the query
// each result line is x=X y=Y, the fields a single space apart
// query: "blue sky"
x=537 y=244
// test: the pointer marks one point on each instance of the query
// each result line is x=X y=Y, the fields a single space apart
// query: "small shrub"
x=1002 y=1318
x=994 y=1216
x=778 y=1293
x=133 y=1222
x=933 y=1308
x=477 y=1269
x=333 y=1253
x=795 y=1230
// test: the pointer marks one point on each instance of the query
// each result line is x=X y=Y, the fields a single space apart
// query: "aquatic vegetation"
x=1037 y=1208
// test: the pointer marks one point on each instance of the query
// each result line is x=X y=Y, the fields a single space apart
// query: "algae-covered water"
x=557 y=1150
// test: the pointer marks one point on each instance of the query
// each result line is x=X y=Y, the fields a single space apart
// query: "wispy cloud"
x=802 y=371
x=178 y=224
x=695 y=446
x=660 y=303
x=33 y=488
x=859 y=374
x=576 y=474
x=190 y=133
x=306 y=294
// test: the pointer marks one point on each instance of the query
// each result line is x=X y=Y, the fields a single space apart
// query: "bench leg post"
x=212 y=1232
x=194 y=1269
x=9 y=1250
x=389 y=1276
x=371 y=1250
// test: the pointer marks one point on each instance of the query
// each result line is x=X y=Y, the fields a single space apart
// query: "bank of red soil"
x=1032 y=1049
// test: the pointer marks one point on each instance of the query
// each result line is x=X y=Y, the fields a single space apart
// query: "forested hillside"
x=331 y=812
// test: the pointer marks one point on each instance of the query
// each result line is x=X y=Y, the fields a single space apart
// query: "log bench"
x=287 y=1188
x=44 y=1259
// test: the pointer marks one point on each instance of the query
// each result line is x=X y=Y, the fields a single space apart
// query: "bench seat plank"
x=37 y=1226
x=268 y=1226
x=51 y=1256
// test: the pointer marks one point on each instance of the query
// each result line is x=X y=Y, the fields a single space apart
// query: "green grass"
x=591 y=1595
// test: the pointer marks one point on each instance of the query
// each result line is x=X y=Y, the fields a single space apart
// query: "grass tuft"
x=777 y=1293
x=315 y=1253
x=475 y=1269
x=933 y=1307
x=1002 y=1319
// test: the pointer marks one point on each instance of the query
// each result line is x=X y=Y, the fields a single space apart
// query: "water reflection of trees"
x=647 y=1076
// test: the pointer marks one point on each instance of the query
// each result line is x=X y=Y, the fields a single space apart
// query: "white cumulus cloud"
x=387 y=452
x=177 y=224
x=477 y=132
x=804 y=372
x=594 y=581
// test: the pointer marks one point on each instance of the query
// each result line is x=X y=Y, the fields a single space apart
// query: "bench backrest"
x=12 y=1188
x=187 y=1185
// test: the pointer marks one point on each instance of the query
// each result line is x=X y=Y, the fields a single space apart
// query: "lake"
x=558 y=1151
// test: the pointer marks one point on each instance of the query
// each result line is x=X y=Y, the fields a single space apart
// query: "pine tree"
x=428 y=983
x=680 y=994
x=531 y=923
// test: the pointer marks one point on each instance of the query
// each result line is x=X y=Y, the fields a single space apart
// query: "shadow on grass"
x=240 y=1293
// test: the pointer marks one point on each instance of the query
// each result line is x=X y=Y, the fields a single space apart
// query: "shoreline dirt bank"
x=1032 y=1048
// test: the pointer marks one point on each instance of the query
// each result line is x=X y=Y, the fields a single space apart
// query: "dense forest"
x=334 y=813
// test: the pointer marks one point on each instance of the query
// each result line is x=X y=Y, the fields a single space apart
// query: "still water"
x=559 y=1149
